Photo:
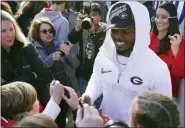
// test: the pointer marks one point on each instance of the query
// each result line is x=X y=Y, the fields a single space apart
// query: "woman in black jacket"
x=19 y=59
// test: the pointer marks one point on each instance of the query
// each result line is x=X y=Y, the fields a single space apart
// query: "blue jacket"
x=71 y=60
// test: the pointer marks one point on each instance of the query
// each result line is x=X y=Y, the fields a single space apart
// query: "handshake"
x=57 y=94
x=87 y=115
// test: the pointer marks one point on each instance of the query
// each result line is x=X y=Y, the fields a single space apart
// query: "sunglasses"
x=45 y=31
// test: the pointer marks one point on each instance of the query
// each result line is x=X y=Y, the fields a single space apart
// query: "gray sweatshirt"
x=60 y=23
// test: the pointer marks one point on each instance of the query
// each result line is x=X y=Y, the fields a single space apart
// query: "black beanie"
x=170 y=8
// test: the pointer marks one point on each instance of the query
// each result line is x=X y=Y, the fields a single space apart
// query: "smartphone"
x=62 y=53
x=174 y=25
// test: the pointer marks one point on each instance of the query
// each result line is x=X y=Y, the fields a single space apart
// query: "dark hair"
x=154 y=110
x=57 y=2
x=6 y=7
x=95 y=7
x=34 y=32
x=14 y=6
x=165 y=42
x=116 y=123
x=27 y=12
x=32 y=8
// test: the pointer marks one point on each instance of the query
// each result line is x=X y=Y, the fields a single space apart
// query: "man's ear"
x=63 y=5
x=100 y=17
x=29 y=113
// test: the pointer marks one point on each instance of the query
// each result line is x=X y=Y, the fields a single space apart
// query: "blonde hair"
x=19 y=36
x=17 y=98
x=37 y=121
x=154 y=110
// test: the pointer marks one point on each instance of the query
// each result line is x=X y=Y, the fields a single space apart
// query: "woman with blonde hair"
x=154 y=110
x=20 y=60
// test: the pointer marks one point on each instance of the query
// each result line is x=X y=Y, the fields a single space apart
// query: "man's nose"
x=118 y=37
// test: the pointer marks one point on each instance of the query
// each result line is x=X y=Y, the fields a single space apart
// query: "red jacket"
x=10 y=123
x=175 y=64
x=6 y=123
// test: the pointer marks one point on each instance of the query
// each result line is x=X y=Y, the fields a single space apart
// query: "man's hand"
x=56 y=91
x=73 y=100
x=85 y=99
x=78 y=26
x=91 y=117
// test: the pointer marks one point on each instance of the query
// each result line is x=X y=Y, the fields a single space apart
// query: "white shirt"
x=52 y=109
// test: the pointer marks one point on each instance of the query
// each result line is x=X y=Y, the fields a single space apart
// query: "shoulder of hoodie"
x=57 y=13
x=150 y=61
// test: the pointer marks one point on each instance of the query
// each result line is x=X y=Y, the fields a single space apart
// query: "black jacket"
x=20 y=63
x=97 y=39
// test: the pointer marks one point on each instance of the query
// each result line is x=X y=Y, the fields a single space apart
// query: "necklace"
x=119 y=61
x=119 y=75
x=120 y=70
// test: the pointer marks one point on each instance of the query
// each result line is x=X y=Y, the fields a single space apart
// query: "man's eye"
x=114 y=31
x=127 y=30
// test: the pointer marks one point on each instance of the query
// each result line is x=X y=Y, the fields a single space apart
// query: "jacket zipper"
x=119 y=75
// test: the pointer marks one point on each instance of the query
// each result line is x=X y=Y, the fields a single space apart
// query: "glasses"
x=45 y=31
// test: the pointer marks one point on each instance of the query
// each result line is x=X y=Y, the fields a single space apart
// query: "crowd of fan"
x=51 y=52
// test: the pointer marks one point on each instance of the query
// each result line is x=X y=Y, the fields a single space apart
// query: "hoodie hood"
x=142 y=30
x=52 y=15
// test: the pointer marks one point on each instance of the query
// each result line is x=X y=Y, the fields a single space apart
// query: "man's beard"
x=126 y=52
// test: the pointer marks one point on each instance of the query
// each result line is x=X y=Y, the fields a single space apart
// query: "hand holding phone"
x=65 y=49
x=173 y=25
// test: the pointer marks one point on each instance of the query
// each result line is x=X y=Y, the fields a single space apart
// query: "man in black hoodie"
x=90 y=40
